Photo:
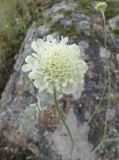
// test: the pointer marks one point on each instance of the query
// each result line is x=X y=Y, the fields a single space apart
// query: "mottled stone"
x=59 y=6
x=110 y=113
x=114 y=22
x=47 y=135
x=117 y=57
x=104 y=54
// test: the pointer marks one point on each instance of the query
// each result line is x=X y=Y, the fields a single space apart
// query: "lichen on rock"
x=47 y=135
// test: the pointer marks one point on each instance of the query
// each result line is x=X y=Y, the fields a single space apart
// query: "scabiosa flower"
x=101 y=6
x=55 y=64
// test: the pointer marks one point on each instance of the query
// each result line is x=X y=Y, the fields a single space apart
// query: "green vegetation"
x=15 y=18
x=9 y=13
x=85 y=6
x=116 y=32
x=112 y=9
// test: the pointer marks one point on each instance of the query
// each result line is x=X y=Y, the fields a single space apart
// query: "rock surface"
x=47 y=137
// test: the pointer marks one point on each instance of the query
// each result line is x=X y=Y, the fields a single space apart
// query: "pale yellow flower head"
x=55 y=63
x=101 y=6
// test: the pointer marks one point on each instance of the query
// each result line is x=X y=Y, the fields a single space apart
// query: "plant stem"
x=105 y=45
x=109 y=90
x=96 y=148
x=111 y=140
x=108 y=72
x=98 y=107
x=108 y=63
x=60 y=112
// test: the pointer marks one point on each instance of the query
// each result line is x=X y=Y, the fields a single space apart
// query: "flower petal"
x=30 y=59
x=34 y=75
x=40 y=84
x=75 y=50
x=35 y=55
x=68 y=89
x=83 y=67
x=26 y=67
x=64 y=40
x=40 y=42
x=34 y=46
x=51 y=39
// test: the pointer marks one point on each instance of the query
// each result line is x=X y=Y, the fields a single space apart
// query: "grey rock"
x=83 y=46
x=57 y=7
x=117 y=57
x=19 y=93
x=82 y=147
x=84 y=23
x=110 y=113
x=104 y=54
x=114 y=22
x=87 y=115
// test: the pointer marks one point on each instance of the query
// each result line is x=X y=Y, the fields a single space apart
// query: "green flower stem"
x=101 y=143
x=108 y=68
x=60 y=112
x=95 y=149
x=104 y=140
x=109 y=83
x=108 y=63
x=111 y=140
x=108 y=71
x=98 y=107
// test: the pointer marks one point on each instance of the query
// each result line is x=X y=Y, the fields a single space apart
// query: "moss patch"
x=85 y=6
x=116 y=32
x=112 y=9
x=66 y=31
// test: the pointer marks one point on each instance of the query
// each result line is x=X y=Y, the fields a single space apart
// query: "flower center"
x=57 y=66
